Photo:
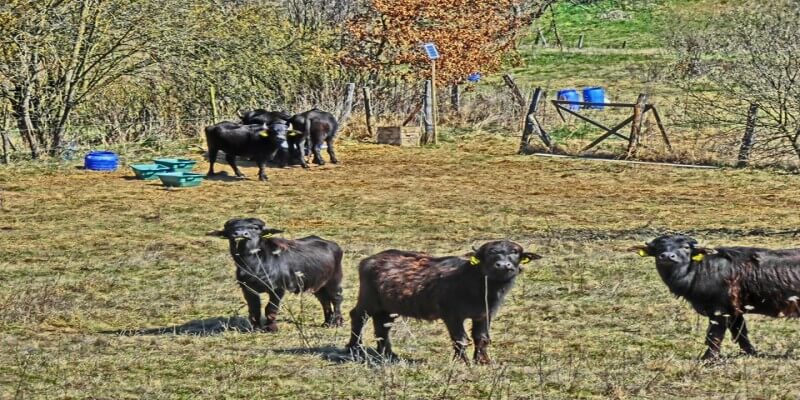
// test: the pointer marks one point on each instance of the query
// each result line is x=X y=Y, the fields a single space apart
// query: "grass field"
x=89 y=258
x=110 y=289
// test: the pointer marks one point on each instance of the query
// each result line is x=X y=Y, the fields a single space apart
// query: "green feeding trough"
x=148 y=171
x=176 y=164
x=180 y=179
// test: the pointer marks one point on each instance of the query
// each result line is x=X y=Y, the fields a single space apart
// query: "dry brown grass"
x=84 y=252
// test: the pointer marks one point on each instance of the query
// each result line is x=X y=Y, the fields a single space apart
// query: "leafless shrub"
x=748 y=55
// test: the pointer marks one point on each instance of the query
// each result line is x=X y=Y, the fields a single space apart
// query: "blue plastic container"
x=570 y=95
x=148 y=171
x=594 y=94
x=176 y=164
x=101 y=161
x=180 y=179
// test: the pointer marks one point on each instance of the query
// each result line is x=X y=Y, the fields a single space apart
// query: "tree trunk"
x=22 y=114
x=347 y=106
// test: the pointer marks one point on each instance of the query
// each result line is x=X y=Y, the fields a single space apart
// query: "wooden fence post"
x=212 y=92
x=580 y=41
x=636 y=125
x=514 y=89
x=427 y=106
x=368 y=110
x=749 y=137
x=532 y=124
x=4 y=135
x=347 y=107
x=455 y=99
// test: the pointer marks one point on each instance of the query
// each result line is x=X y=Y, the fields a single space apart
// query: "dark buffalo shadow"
x=198 y=327
x=223 y=176
x=343 y=355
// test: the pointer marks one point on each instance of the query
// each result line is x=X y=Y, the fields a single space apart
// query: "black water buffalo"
x=395 y=282
x=262 y=116
x=316 y=127
x=260 y=141
x=725 y=283
x=273 y=118
x=274 y=266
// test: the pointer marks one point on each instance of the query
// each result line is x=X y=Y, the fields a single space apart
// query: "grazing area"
x=110 y=287
x=115 y=287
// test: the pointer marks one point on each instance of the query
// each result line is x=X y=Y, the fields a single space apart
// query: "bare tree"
x=748 y=55
x=59 y=53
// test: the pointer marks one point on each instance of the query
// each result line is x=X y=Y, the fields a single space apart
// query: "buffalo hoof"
x=334 y=322
x=483 y=360
x=710 y=356
x=335 y=161
x=263 y=178
x=272 y=327
x=750 y=351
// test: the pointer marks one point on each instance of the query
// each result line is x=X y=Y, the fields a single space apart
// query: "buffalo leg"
x=331 y=153
x=358 y=316
x=738 y=330
x=337 y=307
x=714 y=336
x=327 y=306
x=262 y=166
x=301 y=151
x=383 y=324
x=271 y=311
x=253 y=305
x=231 y=159
x=459 y=337
x=317 y=148
x=480 y=337
x=331 y=298
x=212 y=158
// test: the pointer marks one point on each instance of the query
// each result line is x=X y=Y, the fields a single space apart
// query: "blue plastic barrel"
x=570 y=95
x=474 y=77
x=594 y=94
x=101 y=161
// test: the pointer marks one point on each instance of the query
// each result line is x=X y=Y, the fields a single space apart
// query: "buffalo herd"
x=274 y=136
x=722 y=284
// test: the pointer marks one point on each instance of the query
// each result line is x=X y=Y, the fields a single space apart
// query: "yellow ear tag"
x=698 y=257
x=474 y=260
x=525 y=260
x=643 y=253
x=264 y=134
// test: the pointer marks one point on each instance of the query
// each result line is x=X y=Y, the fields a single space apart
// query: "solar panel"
x=431 y=51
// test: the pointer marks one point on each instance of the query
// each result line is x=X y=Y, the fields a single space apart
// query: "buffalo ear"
x=528 y=257
x=699 y=253
x=473 y=259
x=269 y=231
x=643 y=251
x=220 y=234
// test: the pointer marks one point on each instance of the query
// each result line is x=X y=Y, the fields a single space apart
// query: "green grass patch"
x=106 y=254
